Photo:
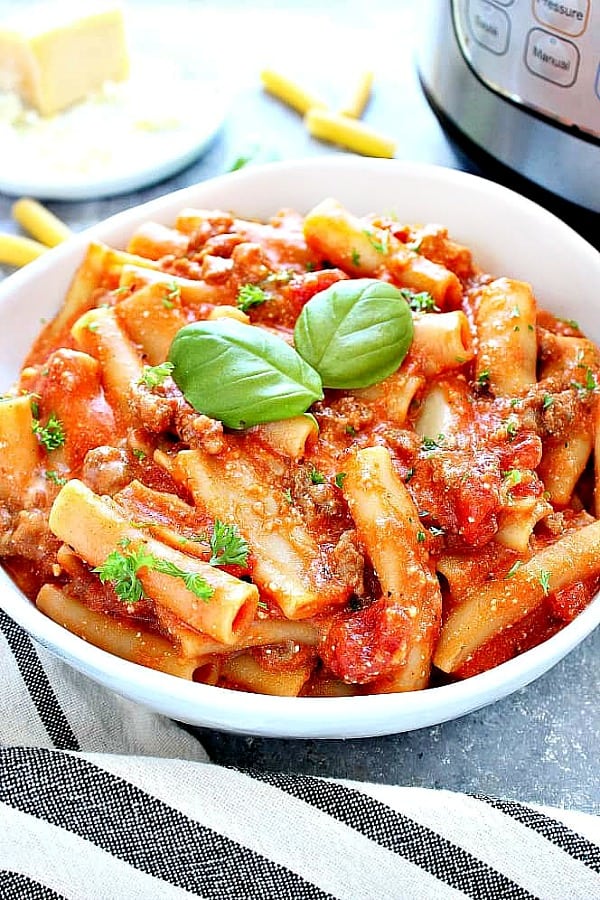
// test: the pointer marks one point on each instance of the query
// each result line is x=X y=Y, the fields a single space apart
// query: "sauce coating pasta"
x=426 y=526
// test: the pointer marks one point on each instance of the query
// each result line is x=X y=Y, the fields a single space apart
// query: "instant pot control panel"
x=542 y=54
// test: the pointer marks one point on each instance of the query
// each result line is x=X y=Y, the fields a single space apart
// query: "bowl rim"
x=433 y=173
x=305 y=717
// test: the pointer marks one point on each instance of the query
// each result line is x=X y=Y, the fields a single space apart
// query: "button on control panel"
x=551 y=57
x=490 y=26
x=566 y=18
x=542 y=54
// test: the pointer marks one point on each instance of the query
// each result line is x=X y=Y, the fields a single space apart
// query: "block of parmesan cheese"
x=55 y=54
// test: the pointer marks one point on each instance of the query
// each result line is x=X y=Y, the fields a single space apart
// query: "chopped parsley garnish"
x=153 y=376
x=429 y=444
x=244 y=158
x=355 y=258
x=288 y=496
x=339 y=479
x=512 y=478
x=544 y=578
x=317 y=477
x=421 y=536
x=250 y=295
x=173 y=294
x=192 y=580
x=547 y=401
x=571 y=323
x=409 y=474
x=239 y=163
x=52 y=434
x=54 y=477
x=483 y=378
x=121 y=570
x=139 y=454
x=419 y=302
x=380 y=245
x=283 y=276
x=590 y=381
x=227 y=545
x=310 y=266
x=514 y=569
x=350 y=429
x=512 y=426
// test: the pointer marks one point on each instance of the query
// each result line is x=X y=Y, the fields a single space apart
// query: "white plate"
x=127 y=137
x=508 y=234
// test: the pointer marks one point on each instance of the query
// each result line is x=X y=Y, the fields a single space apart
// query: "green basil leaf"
x=241 y=374
x=355 y=333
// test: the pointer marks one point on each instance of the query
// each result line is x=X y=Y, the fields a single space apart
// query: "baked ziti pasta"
x=320 y=456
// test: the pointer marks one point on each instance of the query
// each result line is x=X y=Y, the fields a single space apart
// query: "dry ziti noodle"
x=319 y=456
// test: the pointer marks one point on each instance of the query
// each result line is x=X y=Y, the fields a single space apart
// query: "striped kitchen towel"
x=102 y=800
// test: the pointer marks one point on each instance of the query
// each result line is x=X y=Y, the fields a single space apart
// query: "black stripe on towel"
x=14 y=886
x=36 y=681
x=556 y=832
x=146 y=833
x=396 y=832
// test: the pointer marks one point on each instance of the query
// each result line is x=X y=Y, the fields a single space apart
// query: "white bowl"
x=509 y=236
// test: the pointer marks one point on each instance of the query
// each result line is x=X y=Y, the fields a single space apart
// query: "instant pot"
x=521 y=79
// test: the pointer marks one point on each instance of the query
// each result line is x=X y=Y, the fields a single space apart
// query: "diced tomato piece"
x=472 y=484
x=569 y=602
x=303 y=288
x=529 y=486
x=476 y=508
x=361 y=646
x=524 y=452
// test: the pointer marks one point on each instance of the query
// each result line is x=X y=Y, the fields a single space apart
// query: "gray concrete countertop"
x=540 y=744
